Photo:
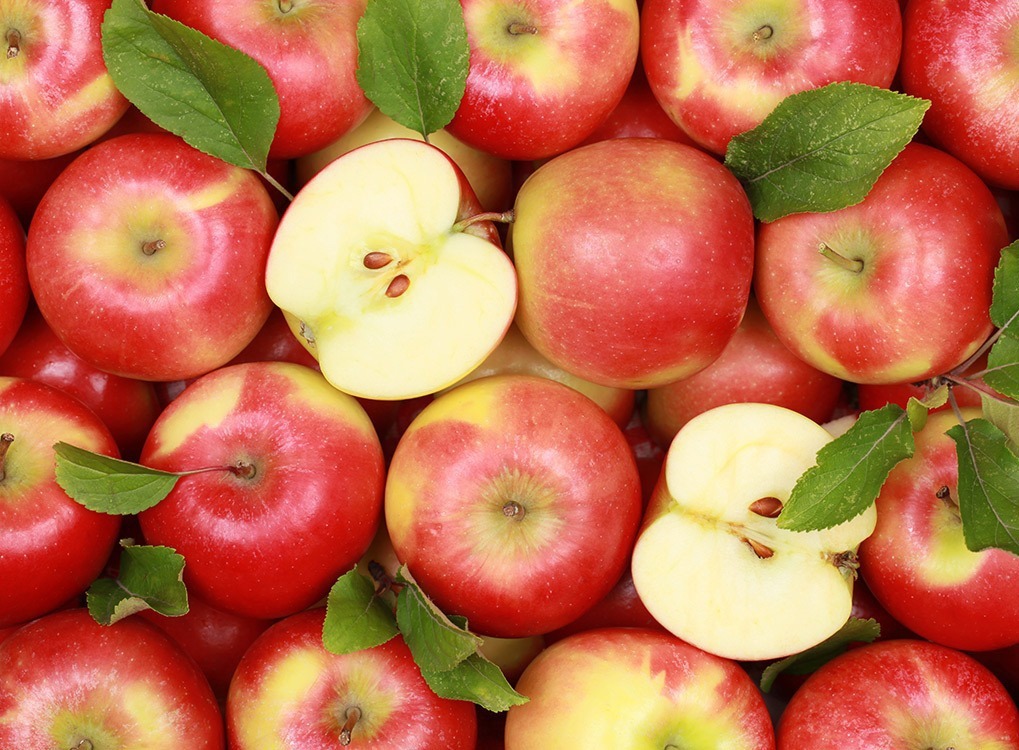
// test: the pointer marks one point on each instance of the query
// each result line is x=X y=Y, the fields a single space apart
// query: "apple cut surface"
x=372 y=272
x=720 y=575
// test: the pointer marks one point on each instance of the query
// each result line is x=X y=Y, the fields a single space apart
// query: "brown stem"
x=5 y=442
x=513 y=509
x=516 y=28
x=765 y=32
x=85 y=744
x=944 y=494
x=153 y=246
x=285 y=6
x=13 y=37
x=351 y=717
x=850 y=264
x=242 y=469
x=502 y=217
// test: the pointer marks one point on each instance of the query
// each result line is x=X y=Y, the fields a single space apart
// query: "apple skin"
x=14 y=291
x=271 y=544
x=543 y=74
x=754 y=366
x=635 y=689
x=498 y=500
x=634 y=258
x=68 y=682
x=716 y=76
x=289 y=693
x=916 y=562
x=899 y=694
x=23 y=182
x=963 y=57
x=51 y=548
x=876 y=395
x=125 y=405
x=929 y=235
x=123 y=302
x=55 y=91
x=309 y=51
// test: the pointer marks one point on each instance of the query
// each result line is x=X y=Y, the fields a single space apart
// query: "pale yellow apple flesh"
x=390 y=298
x=714 y=570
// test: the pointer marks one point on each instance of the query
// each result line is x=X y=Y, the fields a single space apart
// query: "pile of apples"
x=545 y=363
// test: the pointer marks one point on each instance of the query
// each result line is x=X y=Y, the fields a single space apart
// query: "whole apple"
x=14 y=292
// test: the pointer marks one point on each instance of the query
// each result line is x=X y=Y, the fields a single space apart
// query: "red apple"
x=55 y=92
x=152 y=274
x=876 y=395
x=719 y=67
x=514 y=501
x=634 y=258
x=900 y=694
x=921 y=247
x=288 y=691
x=51 y=548
x=543 y=73
x=68 y=682
x=23 y=182
x=14 y=292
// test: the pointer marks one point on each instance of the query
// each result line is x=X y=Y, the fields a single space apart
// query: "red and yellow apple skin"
x=635 y=689
x=14 y=292
x=917 y=564
x=51 y=548
x=719 y=67
x=543 y=73
x=55 y=91
x=928 y=237
x=271 y=538
x=754 y=366
x=900 y=694
x=634 y=258
x=152 y=274
x=68 y=682
x=309 y=50
x=964 y=58
x=514 y=501
x=289 y=693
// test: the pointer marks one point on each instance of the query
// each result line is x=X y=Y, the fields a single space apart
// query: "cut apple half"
x=386 y=277
x=711 y=564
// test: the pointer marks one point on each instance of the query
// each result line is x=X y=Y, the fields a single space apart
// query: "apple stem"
x=768 y=507
x=398 y=286
x=513 y=509
x=517 y=28
x=377 y=259
x=5 y=442
x=944 y=494
x=285 y=6
x=13 y=43
x=151 y=248
x=351 y=717
x=503 y=217
x=85 y=744
x=765 y=32
x=241 y=469
x=850 y=264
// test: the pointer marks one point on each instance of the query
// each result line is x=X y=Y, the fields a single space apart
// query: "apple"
x=876 y=395
x=289 y=692
x=385 y=260
x=964 y=58
x=23 y=182
x=55 y=91
x=309 y=50
x=543 y=74
x=921 y=247
x=513 y=500
x=152 y=274
x=754 y=366
x=51 y=548
x=293 y=497
x=634 y=258
x=14 y=291
x=710 y=562
x=635 y=689
x=719 y=67
x=67 y=682
x=900 y=694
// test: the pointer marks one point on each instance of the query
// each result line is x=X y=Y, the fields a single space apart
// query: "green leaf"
x=1003 y=415
x=849 y=471
x=1002 y=373
x=437 y=643
x=917 y=411
x=149 y=578
x=1005 y=292
x=854 y=631
x=988 y=486
x=109 y=485
x=475 y=679
x=823 y=149
x=216 y=98
x=356 y=618
x=413 y=60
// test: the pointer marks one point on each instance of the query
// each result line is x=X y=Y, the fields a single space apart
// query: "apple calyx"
x=350 y=718
x=848 y=563
x=13 y=38
x=850 y=264
x=5 y=442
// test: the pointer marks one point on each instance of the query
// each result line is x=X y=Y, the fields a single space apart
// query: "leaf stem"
x=5 y=442
x=275 y=183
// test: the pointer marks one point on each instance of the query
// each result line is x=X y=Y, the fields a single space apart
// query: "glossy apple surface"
x=634 y=258
x=513 y=500
x=152 y=274
x=14 y=292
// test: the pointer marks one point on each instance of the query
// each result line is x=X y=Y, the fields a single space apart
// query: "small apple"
x=14 y=291
x=711 y=564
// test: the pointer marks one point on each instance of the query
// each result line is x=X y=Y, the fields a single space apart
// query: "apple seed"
x=769 y=507
x=759 y=549
x=398 y=286
x=377 y=259
x=5 y=442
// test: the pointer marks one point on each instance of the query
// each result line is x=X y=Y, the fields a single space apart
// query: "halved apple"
x=710 y=563
x=381 y=262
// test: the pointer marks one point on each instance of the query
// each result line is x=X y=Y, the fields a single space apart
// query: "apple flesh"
x=711 y=564
x=374 y=271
